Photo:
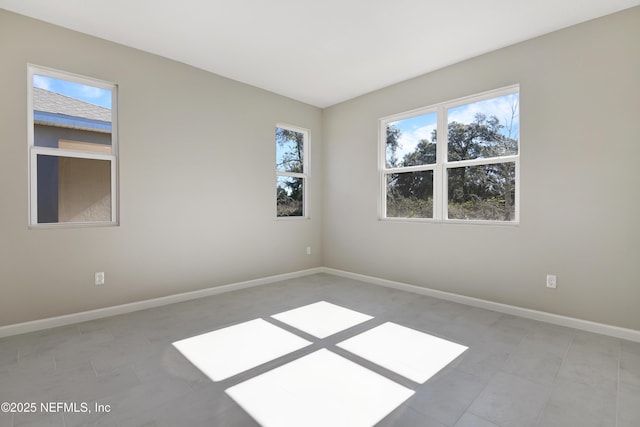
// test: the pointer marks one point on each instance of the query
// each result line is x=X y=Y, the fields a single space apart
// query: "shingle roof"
x=53 y=109
x=51 y=102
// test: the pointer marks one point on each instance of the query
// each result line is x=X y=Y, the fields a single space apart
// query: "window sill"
x=452 y=221
x=71 y=225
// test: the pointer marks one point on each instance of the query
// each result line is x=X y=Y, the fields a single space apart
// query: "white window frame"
x=34 y=150
x=442 y=165
x=305 y=168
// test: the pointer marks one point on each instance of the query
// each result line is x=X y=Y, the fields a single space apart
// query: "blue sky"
x=414 y=129
x=91 y=94
x=499 y=107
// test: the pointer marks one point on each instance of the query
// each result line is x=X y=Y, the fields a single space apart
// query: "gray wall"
x=197 y=195
x=580 y=180
x=197 y=182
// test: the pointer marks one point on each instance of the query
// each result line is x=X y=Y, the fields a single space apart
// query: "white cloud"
x=91 y=91
x=414 y=129
x=500 y=107
x=41 y=82
x=409 y=139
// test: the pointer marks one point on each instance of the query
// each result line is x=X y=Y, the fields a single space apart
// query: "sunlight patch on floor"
x=321 y=319
x=407 y=352
x=321 y=389
x=229 y=351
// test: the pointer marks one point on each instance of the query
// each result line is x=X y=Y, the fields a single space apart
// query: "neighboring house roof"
x=53 y=109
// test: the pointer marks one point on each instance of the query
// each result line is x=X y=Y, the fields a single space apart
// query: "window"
x=292 y=171
x=73 y=149
x=455 y=161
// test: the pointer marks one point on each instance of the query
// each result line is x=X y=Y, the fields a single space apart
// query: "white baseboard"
x=571 y=322
x=584 y=325
x=52 y=322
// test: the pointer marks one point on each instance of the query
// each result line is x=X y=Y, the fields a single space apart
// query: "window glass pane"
x=68 y=111
x=410 y=195
x=73 y=189
x=485 y=192
x=411 y=141
x=289 y=151
x=484 y=129
x=289 y=199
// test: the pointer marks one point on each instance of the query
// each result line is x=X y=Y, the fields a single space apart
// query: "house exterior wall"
x=84 y=190
x=65 y=188
x=48 y=136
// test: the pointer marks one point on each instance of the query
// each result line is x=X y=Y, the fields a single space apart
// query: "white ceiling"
x=317 y=51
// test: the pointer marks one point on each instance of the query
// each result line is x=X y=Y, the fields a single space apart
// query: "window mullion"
x=440 y=181
x=57 y=152
x=481 y=161
x=292 y=174
x=418 y=168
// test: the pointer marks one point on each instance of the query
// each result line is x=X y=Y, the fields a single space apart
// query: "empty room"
x=343 y=214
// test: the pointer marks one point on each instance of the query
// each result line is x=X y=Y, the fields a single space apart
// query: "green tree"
x=418 y=185
x=292 y=143
x=485 y=191
x=477 y=192
x=410 y=194
x=393 y=135
x=290 y=190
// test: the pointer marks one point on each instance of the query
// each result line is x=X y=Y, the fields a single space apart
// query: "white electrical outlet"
x=100 y=278
x=308 y=250
x=552 y=281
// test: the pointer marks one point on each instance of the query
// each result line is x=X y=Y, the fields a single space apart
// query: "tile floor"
x=516 y=372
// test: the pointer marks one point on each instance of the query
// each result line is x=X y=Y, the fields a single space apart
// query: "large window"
x=455 y=161
x=73 y=149
x=292 y=171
